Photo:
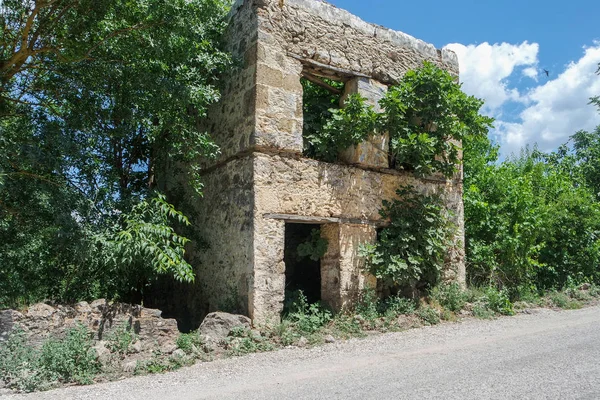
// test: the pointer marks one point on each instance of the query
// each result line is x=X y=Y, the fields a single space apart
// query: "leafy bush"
x=426 y=114
x=19 y=365
x=120 y=340
x=411 y=250
x=314 y=248
x=451 y=296
x=428 y=314
x=307 y=318
x=189 y=342
x=68 y=360
x=244 y=341
x=71 y=359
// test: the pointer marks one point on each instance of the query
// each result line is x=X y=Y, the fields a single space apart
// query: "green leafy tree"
x=96 y=97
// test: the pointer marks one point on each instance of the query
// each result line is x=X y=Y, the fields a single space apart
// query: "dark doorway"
x=302 y=272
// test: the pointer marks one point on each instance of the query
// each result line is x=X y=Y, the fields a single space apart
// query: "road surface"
x=543 y=355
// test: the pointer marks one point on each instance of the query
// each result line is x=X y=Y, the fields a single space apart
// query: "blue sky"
x=503 y=46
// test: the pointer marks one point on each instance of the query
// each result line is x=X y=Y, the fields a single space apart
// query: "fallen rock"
x=168 y=348
x=216 y=326
x=102 y=353
x=40 y=310
x=329 y=339
x=98 y=305
x=585 y=286
x=129 y=366
x=83 y=307
x=136 y=347
x=302 y=342
x=178 y=354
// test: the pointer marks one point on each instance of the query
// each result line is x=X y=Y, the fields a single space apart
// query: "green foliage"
x=429 y=315
x=244 y=341
x=450 y=296
x=71 y=359
x=147 y=244
x=120 y=340
x=347 y=126
x=317 y=103
x=314 y=248
x=190 y=343
x=105 y=95
x=562 y=300
x=306 y=318
x=426 y=114
x=19 y=365
x=68 y=360
x=489 y=301
x=531 y=221
x=410 y=251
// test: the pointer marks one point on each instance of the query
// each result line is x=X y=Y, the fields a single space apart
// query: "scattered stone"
x=98 y=305
x=137 y=347
x=216 y=326
x=83 y=307
x=178 y=353
x=302 y=342
x=102 y=353
x=585 y=286
x=129 y=366
x=40 y=310
x=168 y=348
x=329 y=339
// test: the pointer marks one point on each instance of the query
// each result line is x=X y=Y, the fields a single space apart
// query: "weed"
x=307 y=318
x=429 y=315
x=120 y=340
x=481 y=311
x=562 y=300
x=242 y=341
x=450 y=296
x=190 y=343
x=68 y=360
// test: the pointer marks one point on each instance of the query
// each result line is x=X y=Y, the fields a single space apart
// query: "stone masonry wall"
x=286 y=187
x=260 y=171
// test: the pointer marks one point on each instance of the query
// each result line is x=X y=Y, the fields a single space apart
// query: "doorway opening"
x=303 y=250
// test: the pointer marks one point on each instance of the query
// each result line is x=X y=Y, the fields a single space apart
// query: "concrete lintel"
x=303 y=219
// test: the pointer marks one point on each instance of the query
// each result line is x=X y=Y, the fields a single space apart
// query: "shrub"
x=450 y=296
x=19 y=367
x=120 y=339
x=412 y=248
x=71 y=359
x=307 y=318
x=189 y=342
x=242 y=340
x=429 y=315
x=68 y=360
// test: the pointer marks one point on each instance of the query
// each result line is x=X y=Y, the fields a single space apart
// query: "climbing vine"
x=411 y=250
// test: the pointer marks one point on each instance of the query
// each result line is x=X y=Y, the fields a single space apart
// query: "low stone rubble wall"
x=42 y=321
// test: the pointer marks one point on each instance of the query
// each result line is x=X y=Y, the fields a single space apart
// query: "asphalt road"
x=544 y=355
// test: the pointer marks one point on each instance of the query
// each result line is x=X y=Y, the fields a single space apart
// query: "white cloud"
x=550 y=112
x=558 y=109
x=531 y=72
x=484 y=70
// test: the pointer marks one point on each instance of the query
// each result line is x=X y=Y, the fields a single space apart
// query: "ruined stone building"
x=261 y=193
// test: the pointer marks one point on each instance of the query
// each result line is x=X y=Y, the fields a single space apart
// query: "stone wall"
x=346 y=200
x=42 y=321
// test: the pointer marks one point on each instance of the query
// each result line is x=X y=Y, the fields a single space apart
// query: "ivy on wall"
x=411 y=250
